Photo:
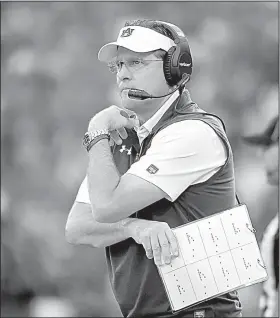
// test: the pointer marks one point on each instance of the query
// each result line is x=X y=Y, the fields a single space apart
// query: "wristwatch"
x=92 y=137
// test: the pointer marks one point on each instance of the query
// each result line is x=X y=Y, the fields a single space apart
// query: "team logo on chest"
x=126 y=150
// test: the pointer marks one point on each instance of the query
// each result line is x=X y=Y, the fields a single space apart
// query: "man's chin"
x=131 y=104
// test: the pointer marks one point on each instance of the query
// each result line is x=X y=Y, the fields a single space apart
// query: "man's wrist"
x=97 y=125
x=125 y=225
x=92 y=137
x=96 y=140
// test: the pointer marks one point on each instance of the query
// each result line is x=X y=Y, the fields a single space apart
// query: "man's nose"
x=124 y=73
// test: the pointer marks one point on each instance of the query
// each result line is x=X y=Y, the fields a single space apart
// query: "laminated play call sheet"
x=217 y=254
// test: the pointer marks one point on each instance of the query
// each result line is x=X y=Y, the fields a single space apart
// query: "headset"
x=177 y=67
x=177 y=63
x=178 y=59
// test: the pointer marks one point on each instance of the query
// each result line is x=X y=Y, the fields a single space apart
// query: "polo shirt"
x=186 y=153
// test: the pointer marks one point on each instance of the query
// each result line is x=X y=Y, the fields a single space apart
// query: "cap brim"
x=109 y=51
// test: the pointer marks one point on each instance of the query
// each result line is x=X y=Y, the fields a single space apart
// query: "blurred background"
x=52 y=84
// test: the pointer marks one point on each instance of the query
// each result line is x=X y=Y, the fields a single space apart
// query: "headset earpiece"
x=167 y=61
x=178 y=60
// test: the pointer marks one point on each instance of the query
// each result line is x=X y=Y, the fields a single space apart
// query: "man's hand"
x=115 y=120
x=157 y=238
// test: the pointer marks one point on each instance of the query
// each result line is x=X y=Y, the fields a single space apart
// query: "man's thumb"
x=131 y=122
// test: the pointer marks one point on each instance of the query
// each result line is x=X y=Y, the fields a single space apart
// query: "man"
x=171 y=165
x=268 y=141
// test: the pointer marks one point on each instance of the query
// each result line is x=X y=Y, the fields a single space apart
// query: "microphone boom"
x=141 y=94
x=138 y=94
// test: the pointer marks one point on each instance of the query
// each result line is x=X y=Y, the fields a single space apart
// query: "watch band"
x=95 y=140
x=91 y=137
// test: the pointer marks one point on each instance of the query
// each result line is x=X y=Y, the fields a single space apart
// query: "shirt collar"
x=144 y=130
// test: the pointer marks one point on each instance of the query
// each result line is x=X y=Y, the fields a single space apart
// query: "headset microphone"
x=138 y=94
x=141 y=95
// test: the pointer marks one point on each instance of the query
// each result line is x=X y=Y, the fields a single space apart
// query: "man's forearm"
x=82 y=229
x=106 y=234
x=103 y=176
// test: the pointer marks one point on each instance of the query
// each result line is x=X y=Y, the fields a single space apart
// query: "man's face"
x=270 y=156
x=143 y=71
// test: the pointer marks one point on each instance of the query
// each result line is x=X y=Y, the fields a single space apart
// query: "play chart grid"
x=217 y=254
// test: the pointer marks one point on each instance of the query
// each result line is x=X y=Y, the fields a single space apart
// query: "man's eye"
x=136 y=62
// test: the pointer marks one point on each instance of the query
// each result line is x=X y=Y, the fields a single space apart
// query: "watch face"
x=87 y=139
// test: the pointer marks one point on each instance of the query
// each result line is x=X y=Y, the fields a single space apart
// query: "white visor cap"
x=137 y=39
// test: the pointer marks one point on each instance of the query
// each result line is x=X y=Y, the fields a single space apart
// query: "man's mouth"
x=125 y=89
x=128 y=88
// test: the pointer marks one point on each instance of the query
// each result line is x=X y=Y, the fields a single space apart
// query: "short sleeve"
x=182 y=154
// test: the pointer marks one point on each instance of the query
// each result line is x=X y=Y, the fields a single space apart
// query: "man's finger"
x=147 y=246
x=172 y=241
x=130 y=118
x=130 y=123
x=165 y=249
x=128 y=113
x=116 y=137
x=156 y=249
x=124 y=113
x=122 y=133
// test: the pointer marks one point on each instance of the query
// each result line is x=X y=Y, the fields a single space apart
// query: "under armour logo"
x=125 y=149
x=127 y=32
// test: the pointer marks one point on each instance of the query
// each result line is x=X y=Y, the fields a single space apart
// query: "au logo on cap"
x=127 y=32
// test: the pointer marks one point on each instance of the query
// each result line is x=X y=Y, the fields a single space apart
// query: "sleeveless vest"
x=135 y=280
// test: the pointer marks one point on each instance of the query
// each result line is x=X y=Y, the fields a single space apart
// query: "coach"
x=154 y=164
